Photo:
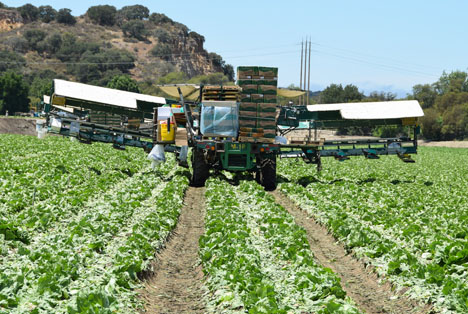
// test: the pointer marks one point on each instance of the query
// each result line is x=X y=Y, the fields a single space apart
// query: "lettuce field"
x=83 y=227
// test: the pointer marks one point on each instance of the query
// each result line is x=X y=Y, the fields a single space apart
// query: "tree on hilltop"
x=29 y=12
x=47 y=14
x=159 y=19
x=134 y=12
x=64 y=16
x=102 y=14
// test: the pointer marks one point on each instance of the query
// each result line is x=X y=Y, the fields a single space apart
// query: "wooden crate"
x=251 y=134
x=305 y=141
x=256 y=140
x=254 y=130
x=218 y=92
x=133 y=124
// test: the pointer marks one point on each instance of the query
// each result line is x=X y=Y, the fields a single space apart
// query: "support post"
x=155 y=125
x=308 y=84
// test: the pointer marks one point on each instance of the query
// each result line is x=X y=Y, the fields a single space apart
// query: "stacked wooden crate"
x=220 y=92
x=257 y=110
x=105 y=118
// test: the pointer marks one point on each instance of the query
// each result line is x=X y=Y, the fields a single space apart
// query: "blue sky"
x=376 y=45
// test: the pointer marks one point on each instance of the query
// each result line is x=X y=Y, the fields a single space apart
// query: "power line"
x=361 y=54
x=385 y=66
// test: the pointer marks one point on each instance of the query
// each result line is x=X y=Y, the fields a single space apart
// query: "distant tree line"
x=45 y=14
x=445 y=105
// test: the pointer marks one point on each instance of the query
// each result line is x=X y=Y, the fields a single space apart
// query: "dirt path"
x=176 y=285
x=452 y=144
x=361 y=285
x=18 y=126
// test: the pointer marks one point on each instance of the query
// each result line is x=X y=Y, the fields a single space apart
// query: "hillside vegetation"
x=42 y=43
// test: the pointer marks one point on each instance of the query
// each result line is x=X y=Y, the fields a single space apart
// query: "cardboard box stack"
x=257 y=110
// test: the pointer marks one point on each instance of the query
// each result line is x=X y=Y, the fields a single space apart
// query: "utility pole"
x=308 y=84
x=300 y=80
x=305 y=72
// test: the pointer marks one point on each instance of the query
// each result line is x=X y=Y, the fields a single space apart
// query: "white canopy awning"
x=102 y=95
x=373 y=110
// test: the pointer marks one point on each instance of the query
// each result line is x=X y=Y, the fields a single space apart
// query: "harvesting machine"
x=225 y=129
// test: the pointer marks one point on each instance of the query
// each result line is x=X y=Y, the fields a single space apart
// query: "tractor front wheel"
x=200 y=168
x=266 y=175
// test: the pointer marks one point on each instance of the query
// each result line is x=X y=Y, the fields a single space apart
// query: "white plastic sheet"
x=219 y=121
x=157 y=155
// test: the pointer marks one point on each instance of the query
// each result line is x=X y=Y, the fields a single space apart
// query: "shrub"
x=54 y=42
x=198 y=38
x=135 y=29
x=124 y=82
x=92 y=65
x=163 y=51
x=34 y=36
x=72 y=49
x=211 y=79
x=173 y=78
x=183 y=30
x=18 y=44
x=162 y=35
x=11 y=61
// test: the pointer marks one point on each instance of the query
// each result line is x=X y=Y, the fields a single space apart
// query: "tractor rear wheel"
x=200 y=168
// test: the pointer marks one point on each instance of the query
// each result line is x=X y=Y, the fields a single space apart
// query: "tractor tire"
x=268 y=173
x=258 y=176
x=200 y=169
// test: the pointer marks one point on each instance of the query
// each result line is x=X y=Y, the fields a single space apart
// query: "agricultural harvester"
x=210 y=121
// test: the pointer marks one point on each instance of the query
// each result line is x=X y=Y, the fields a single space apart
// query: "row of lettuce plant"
x=88 y=261
x=409 y=221
x=257 y=259
x=45 y=181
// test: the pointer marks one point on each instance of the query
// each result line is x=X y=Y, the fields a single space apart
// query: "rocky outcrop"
x=10 y=19
x=191 y=57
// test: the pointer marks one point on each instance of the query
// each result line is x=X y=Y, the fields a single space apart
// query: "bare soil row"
x=176 y=284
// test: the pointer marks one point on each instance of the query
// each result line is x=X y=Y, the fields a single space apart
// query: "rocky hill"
x=43 y=43
x=10 y=19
